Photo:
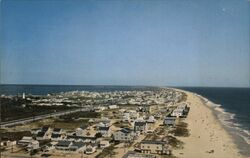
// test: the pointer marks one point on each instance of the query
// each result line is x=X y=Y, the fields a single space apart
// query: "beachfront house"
x=154 y=147
x=124 y=135
x=177 y=113
x=181 y=110
x=169 y=121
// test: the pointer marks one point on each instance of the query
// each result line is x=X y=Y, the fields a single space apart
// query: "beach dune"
x=208 y=139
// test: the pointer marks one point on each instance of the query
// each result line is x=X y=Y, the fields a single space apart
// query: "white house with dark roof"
x=169 y=121
x=177 y=112
x=124 y=135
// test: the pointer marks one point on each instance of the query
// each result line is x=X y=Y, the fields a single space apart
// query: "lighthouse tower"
x=23 y=95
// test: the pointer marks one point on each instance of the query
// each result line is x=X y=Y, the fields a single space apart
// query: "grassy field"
x=109 y=151
x=80 y=114
x=13 y=109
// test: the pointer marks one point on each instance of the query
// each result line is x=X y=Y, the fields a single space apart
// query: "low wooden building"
x=154 y=147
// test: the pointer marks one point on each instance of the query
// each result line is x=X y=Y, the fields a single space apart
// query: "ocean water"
x=232 y=107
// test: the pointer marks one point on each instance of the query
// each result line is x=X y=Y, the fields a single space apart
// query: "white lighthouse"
x=23 y=95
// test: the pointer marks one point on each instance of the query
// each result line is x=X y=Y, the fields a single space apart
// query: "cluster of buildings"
x=83 y=98
x=180 y=111
x=141 y=120
x=62 y=140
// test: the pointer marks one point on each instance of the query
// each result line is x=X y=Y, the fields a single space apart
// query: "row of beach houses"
x=80 y=141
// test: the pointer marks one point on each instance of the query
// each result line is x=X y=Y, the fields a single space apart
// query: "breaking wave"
x=228 y=119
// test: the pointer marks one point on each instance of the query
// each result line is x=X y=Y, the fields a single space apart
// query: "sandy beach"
x=208 y=139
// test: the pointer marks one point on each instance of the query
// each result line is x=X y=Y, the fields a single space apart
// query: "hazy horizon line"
x=116 y=85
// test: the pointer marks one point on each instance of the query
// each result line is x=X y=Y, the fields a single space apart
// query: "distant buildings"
x=141 y=118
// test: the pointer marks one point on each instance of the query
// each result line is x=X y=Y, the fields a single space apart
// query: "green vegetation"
x=14 y=135
x=80 y=114
x=98 y=135
x=183 y=98
x=106 y=151
x=180 y=130
x=57 y=123
x=174 y=142
x=168 y=156
x=17 y=108
x=69 y=125
x=121 y=124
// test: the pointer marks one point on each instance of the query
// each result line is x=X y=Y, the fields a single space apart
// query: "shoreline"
x=208 y=136
x=242 y=145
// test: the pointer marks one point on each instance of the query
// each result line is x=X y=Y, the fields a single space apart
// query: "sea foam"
x=227 y=119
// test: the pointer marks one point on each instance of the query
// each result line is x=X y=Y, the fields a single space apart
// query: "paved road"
x=40 y=117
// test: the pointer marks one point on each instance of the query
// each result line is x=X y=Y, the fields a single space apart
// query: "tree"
x=98 y=135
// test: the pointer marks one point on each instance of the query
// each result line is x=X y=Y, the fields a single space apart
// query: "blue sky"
x=170 y=43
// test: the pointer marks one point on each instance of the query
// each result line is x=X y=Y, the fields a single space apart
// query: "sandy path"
x=206 y=134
